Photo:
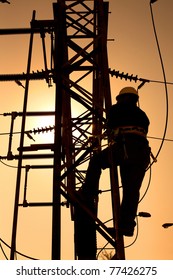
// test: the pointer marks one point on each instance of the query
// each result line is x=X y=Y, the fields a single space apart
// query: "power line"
x=19 y=253
x=11 y=166
x=42 y=130
x=159 y=138
x=2 y=249
x=164 y=76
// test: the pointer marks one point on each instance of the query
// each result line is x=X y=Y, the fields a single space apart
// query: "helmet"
x=127 y=90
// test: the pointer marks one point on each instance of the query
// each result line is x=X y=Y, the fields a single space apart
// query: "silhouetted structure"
x=79 y=70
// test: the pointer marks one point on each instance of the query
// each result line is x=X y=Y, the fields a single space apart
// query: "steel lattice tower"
x=80 y=73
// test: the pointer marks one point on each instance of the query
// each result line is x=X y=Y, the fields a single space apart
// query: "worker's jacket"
x=129 y=127
x=127 y=114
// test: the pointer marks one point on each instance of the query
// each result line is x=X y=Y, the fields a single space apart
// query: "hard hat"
x=127 y=90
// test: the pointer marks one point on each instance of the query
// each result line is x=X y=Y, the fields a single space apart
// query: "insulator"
x=144 y=214
x=5 y=1
x=42 y=129
x=166 y=225
x=121 y=75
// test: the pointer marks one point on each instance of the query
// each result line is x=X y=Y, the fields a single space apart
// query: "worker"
x=128 y=126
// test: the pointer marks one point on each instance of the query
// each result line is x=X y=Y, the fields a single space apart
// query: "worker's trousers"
x=133 y=156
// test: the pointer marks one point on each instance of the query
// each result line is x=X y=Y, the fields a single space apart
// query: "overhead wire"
x=8 y=165
x=163 y=139
x=19 y=253
x=2 y=249
x=159 y=138
x=148 y=185
x=164 y=77
x=135 y=78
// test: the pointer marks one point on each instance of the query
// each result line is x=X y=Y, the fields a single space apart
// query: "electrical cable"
x=3 y=251
x=104 y=145
x=101 y=250
x=11 y=166
x=163 y=139
x=161 y=82
x=135 y=78
x=21 y=254
x=149 y=182
x=166 y=122
x=165 y=82
x=159 y=138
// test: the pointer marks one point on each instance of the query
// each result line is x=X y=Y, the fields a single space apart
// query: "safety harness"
x=129 y=129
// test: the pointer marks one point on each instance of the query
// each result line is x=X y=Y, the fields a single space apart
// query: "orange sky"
x=133 y=51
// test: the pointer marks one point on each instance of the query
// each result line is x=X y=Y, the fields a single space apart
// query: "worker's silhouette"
x=128 y=125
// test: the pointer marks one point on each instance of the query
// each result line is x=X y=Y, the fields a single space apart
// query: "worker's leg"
x=132 y=177
x=132 y=174
x=85 y=224
x=97 y=163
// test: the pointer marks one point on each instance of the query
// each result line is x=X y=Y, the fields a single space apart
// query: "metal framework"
x=79 y=69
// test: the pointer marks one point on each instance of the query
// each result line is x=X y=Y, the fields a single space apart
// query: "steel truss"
x=79 y=70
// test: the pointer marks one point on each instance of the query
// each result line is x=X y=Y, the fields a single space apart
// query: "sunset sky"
x=132 y=49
